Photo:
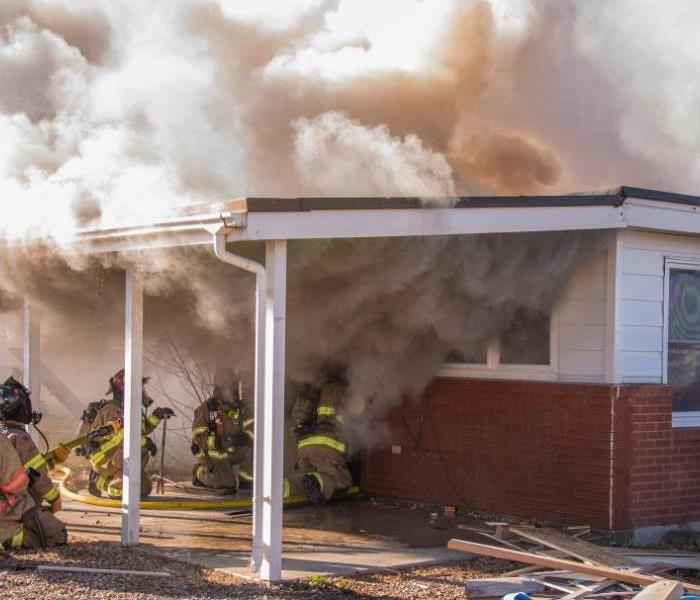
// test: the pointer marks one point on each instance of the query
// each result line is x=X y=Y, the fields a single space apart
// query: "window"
x=682 y=340
x=525 y=351
x=527 y=340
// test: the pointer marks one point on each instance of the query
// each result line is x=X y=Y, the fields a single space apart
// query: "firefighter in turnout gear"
x=322 y=457
x=39 y=526
x=222 y=441
x=106 y=455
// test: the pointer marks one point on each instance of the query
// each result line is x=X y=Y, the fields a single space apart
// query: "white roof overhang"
x=328 y=224
x=249 y=219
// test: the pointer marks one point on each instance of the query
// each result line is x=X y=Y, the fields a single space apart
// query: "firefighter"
x=105 y=456
x=38 y=526
x=322 y=453
x=221 y=441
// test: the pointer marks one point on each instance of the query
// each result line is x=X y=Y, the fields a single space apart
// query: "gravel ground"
x=20 y=580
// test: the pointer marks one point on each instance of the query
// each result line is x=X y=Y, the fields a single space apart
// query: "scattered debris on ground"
x=20 y=578
x=562 y=565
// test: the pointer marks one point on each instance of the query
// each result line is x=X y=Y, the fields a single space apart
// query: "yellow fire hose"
x=231 y=504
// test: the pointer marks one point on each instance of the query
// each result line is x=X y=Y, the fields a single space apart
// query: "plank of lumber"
x=559 y=563
x=572 y=546
x=661 y=590
x=500 y=586
x=679 y=562
x=592 y=589
x=493 y=538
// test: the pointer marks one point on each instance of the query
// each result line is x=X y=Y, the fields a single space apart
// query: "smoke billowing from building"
x=123 y=111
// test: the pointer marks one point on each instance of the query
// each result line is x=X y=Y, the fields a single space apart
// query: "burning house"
x=404 y=210
x=578 y=405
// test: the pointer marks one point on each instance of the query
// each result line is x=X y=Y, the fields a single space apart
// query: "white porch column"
x=31 y=349
x=273 y=428
x=259 y=423
x=133 y=373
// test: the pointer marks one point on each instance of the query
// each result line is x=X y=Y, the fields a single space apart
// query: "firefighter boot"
x=92 y=485
x=312 y=487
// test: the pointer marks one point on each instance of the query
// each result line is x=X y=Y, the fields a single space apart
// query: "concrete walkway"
x=341 y=539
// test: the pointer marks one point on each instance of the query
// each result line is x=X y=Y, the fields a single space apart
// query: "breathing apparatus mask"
x=16 y=403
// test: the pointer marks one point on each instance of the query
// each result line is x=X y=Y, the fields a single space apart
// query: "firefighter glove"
x=163 y=412
x=151 y=447
x=60 y=453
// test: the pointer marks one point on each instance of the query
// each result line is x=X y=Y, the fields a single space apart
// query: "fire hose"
x=229 y=504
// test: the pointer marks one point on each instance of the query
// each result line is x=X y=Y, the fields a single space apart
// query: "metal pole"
x=161 y=483
x=31 y=351
x=133 y=386
x=273 y=426
x=259 y=392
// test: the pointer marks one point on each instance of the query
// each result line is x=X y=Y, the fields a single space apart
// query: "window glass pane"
x=476 y=356
x=684 y=338
x=527 y=340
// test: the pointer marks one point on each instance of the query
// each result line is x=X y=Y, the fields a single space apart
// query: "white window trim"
x=494 y=369
x=689 y=418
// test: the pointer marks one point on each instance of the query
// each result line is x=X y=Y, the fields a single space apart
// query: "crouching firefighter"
x=322 y=454
x=222 y=441
x=106 y=455
x=28 y=498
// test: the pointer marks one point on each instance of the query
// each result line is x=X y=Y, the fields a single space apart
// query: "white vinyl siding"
x=581 y=316
x=642 y=300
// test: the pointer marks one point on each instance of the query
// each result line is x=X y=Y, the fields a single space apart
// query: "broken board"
x=559 y=563
x=500 y=586
x=571 y=546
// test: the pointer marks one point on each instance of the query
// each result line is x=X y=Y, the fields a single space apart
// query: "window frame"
x=495 y=369
x=681 y=418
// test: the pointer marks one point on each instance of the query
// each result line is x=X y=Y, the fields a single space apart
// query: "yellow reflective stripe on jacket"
x=153 y=420
x=35 y=462
x=249 y=433
x=322 y=440
x=211 y=442
x=317 y=476
x=286 y=489
x=101 y=482
x=234 y=414
x=52 y=495
x=245 y=476
x=325 y=411
x=215 y=454
x=17 y=539
x=98 y=457
x=199 y=430
x=248 y=422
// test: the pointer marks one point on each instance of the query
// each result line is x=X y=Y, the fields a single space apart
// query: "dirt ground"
x=19 y=578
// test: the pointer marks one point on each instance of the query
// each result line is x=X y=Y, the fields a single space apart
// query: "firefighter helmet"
x=116 y=382
x=117 y=385
x=16 y=403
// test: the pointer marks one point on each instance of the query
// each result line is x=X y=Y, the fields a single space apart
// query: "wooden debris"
x=592 y=589
x=573 y=547
x=669 y=560
x=661 y=590
x=558 y=563
x=500 y=586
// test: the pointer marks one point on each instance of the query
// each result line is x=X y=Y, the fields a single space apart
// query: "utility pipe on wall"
x=259 y=404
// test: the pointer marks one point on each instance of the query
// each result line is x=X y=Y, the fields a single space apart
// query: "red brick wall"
x=540 y=450
x=664 y=479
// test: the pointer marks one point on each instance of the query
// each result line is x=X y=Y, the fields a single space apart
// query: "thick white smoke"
x=331 y=150
x=120 y=111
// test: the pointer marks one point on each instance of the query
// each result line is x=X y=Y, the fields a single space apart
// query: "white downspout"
x=259 y=404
